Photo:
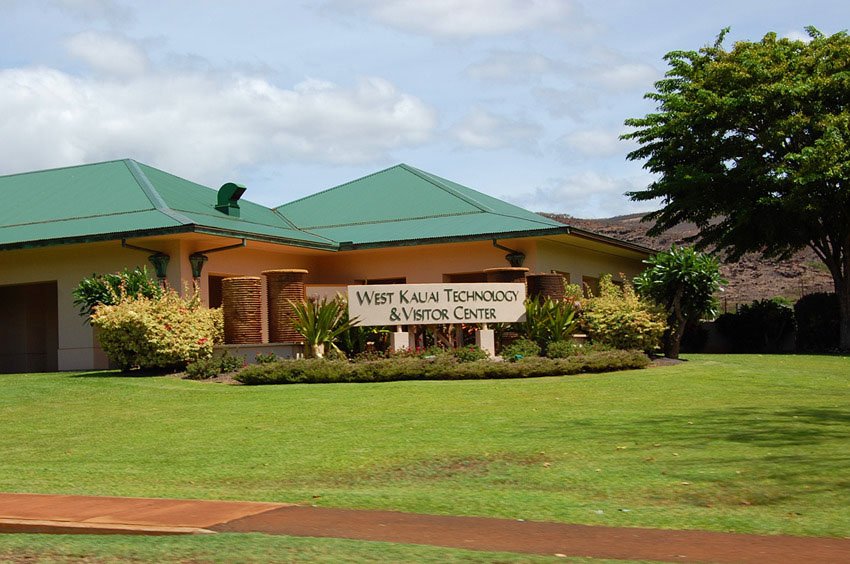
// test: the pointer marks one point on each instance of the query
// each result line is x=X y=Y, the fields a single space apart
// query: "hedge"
x=323 y=371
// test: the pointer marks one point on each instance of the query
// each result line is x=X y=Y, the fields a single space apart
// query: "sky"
x=521 y=99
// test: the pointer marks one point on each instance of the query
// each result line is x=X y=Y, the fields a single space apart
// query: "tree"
x=683 y=281
x=752 y=144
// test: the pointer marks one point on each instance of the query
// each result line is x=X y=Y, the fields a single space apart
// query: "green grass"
x=243 y=548
x=732 y=443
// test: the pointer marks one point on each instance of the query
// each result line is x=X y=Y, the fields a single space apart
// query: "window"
x=372 y=281
x=465 y=277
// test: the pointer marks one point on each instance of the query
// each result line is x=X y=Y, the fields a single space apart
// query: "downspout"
x=197 y=259
x=515 y=258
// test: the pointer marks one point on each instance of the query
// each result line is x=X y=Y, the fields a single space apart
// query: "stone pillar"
x=282 y=287
x=241 y=306
x=486 y=340
x=400 y=340
x=546 y=285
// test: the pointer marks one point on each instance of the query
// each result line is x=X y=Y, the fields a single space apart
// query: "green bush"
x=267 y=358
x=817 y=322
x=761 y=326
x=620 y=319
x=470 y=353
x=566 y=349
x=313 y=371
x=205 y=368
x=521 y=348
x=112 y=288
x=549 y=320
x=166 y=332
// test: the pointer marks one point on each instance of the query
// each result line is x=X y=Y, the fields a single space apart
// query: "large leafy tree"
x=752 y=144
x=684 y=282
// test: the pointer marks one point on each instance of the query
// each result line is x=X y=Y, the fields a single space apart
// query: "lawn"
x=743 y=443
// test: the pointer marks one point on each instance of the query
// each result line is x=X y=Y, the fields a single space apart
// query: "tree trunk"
x=673 y=337
x=842 y=290
x=314 y=351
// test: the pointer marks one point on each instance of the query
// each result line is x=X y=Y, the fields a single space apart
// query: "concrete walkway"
x=35 y=513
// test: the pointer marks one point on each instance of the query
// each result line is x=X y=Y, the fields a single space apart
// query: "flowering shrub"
x=622 y=320
x=111 y=288
x=166 y=332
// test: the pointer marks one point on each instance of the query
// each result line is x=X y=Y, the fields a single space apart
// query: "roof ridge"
x=75 y=218
x=150 y=191
x=62 y=168
x=433 y=179
x=319 y=193
x=394 y=220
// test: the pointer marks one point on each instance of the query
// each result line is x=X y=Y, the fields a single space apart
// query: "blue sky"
x=521 y=99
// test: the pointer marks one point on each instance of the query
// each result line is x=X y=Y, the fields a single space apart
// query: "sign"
x=424 y=304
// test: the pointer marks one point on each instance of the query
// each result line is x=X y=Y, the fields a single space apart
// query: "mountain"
x=750 y=278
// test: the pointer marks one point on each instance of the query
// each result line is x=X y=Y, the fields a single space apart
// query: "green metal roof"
x=405 y=204
x=124 y=198
x=401 y=205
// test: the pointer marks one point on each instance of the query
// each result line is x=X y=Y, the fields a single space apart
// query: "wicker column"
x=546 y=286
x=240 y=302
x=506 y=274
x=283 y=286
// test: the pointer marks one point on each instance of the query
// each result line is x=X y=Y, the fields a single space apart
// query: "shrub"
x=470 y=353
x=166 y=332
x=761 y=326
x=521 y=348
x=620 y=319
x=566 y=349
x=205 y=368
x=549 y=320
x=267 y=358
x=817 y=322
x=112 y=288
x=305 y=371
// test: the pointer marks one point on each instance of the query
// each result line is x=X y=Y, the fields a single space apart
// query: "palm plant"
x=320 y=322
x=548 y=320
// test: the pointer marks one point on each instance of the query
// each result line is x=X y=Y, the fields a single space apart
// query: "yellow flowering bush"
x=619 y=318
x=165 y=332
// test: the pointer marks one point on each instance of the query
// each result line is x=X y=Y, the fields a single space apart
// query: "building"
x=399 y=225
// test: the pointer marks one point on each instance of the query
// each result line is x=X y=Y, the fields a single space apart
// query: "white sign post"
x=429 y=304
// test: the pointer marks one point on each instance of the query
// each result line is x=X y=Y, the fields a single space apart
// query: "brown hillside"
x=750 y=279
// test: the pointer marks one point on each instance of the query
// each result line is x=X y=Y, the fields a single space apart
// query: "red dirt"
x=35 y=513
x=479 y=533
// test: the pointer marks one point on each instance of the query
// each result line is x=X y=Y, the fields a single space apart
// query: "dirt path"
x=111 y=515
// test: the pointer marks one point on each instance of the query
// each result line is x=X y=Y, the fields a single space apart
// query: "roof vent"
x=228 y=198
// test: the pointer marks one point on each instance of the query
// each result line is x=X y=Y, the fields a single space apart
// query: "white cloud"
x=510 y=66
x=485 y=130
x=201 y=124
x=469 y=18
x=797 y=35
x=624 y=76
x=597 y=142
x=108 y=53
x=585 y=194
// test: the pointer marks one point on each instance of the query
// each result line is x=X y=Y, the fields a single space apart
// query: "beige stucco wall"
x=67 y=265
x=420 y=264
x=580 y=258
